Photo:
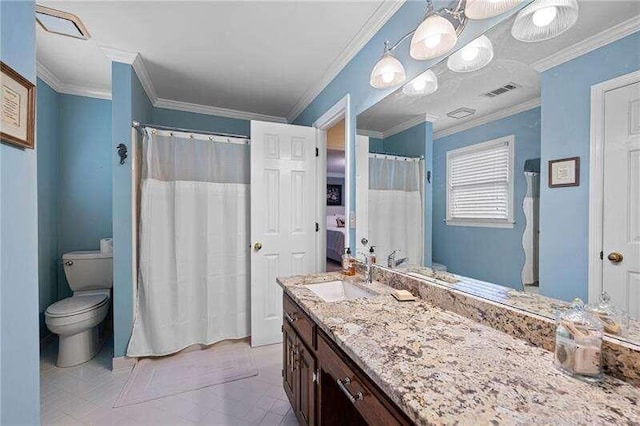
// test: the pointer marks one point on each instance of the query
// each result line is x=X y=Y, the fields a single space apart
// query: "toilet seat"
x=76 y=305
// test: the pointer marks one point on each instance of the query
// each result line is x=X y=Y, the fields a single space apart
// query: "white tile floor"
x=85 y=395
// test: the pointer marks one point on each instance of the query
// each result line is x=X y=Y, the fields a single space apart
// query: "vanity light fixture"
x=483 y=9
x=59 y=22
x=544 y=19
x=424 y=84
x=473 y=56
x=436 y=35
x=388 y=72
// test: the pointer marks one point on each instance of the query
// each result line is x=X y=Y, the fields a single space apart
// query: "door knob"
x=615 y=257
x=257 y=246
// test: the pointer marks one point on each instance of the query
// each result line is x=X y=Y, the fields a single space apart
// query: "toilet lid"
x=76 y=305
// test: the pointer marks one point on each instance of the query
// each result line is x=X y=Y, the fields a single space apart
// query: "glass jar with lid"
x=578 y=349
x=614 y=319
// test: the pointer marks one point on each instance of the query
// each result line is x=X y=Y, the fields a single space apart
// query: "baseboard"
x=122 y=363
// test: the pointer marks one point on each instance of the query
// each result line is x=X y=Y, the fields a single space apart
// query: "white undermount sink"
x=334 y=291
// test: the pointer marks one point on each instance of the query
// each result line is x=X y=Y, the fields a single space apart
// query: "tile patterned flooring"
x=84 y=395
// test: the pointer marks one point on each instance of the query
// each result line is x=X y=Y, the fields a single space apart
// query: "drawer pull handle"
x=342 y=385
x=291 y=317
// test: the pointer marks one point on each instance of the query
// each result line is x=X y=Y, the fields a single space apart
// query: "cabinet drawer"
x=357 y=388
x=300 y=322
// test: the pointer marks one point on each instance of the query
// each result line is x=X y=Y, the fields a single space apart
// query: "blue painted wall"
x=129 y=102
x=19 y=362
x=353 y=79
x=414 y=142
x=74 y=184
x=48 y=113
x=204 y=122
x=84 y=177
x=564 y=212
x=489 y=254
x=376 y=145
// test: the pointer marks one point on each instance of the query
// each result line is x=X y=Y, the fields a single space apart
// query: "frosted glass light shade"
x=472 y=57
x=424 y=84
x=544 y=19
x=483 y=9
x=434 y=37
x=388 y=72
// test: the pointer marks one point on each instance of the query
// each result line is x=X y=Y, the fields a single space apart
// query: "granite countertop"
x=530 y=302
x=439 y=367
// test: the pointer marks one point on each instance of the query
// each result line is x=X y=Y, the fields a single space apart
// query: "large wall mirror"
x=480 y=170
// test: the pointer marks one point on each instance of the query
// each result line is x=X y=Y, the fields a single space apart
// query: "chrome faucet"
x=368 y=276
x=392 y=262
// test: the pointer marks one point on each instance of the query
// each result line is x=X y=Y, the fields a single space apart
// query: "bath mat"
x=154 y=378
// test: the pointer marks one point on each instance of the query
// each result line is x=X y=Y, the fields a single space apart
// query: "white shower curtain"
x=396 y=207
x=193 y=284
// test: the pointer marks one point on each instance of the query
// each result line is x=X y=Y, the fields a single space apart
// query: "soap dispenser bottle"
x=371 y=260
x=347 y=263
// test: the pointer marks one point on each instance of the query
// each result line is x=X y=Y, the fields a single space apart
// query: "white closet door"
x=283 y=222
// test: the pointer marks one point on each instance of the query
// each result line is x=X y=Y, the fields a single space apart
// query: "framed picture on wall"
x=334 y=195
x=564 y=172
x=17 y=108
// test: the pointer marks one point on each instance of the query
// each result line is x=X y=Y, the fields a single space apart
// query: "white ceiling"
x=263 y=57
x=514 y=61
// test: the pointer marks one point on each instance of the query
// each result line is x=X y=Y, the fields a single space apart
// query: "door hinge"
x=282 y=328
x=315 y=376
x=317 y=152
x=282 y=372
x=601 y=255
x=317 y=227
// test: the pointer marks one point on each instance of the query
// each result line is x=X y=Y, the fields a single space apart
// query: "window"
x=480 y=184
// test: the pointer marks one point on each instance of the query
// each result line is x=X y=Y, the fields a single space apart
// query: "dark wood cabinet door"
x=289 y=363
x=307 y=385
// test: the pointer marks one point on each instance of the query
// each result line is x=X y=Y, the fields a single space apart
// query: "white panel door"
x=362 y=189
x=283 y=206
x=621 y=213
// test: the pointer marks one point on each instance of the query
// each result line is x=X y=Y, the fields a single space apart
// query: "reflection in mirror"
x=452 y=169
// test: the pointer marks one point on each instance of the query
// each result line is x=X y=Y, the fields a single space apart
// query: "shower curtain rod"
x=139 y=126
x=394 y=157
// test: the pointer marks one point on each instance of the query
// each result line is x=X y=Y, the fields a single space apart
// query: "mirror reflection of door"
x=621 y=201
x=336 y=218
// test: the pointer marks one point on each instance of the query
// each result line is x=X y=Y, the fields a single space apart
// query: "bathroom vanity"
x=370 y=359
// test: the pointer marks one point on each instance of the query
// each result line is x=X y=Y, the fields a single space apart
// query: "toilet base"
x=78 y=348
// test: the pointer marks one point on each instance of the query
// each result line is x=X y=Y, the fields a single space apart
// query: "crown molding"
x=368 y=30
x=117 y=55
x=589 y=44
x=220 y=112
x=370 y=133
x=135 y=60
x=69 y=89
x=137 y=63
x=145 y=80
x=409 y=124
x=512 y=110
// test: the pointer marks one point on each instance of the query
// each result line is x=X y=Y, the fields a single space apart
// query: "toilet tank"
x=88 y=270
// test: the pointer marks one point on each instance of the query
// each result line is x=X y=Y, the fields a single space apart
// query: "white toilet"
x=76 y=319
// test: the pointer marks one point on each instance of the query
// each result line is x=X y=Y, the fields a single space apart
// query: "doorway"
x=335 y=214
x=335 y=204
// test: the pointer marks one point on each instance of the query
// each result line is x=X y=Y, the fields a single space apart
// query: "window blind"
x=479 y=186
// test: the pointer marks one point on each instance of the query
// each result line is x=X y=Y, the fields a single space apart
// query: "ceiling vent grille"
x=502 y=90
x=461 y=113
